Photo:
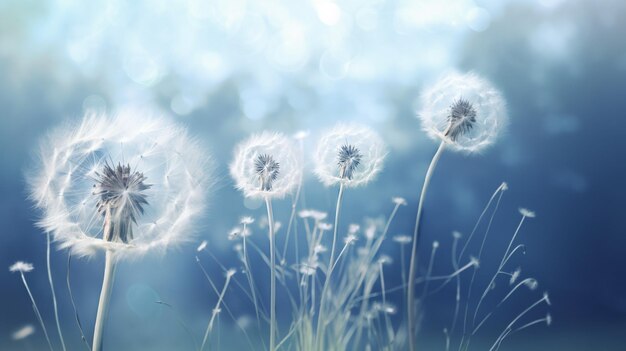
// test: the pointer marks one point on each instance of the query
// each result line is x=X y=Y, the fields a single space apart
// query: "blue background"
x=229 y=68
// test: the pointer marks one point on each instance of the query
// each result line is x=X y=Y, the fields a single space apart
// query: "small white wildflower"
x=457 y=235
x=23 y=332
x=531 y=283
x=21 y=266
x=464 y=110
x=202 y=245
x=234 y=233
x=526 y=212
x=231 y=272
x=350 y=239
x=265 y=165
x=435 y=244
x=318 y=215
x=350 y=154
x=384 y=259
x=319 y=249
x=548 y=319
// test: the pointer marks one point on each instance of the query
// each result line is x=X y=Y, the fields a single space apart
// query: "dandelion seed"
x=384 y=259
x=464 y=110
x=319 y=249
x=457 y=234
x=349 y=154
x=23 y=332
x=350 y=239
x=234 y=233
x=531 y=283
x=265 y=165
x=527 y=213
x=515 y=275
x=318 y=215
x=548 y=319
x=202 y=246
x=324 y=226
x=547 y=298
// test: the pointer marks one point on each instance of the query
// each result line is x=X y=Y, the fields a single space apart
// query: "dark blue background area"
x=562 y=156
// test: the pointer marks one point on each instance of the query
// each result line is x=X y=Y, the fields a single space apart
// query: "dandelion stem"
x=105 y=298
x=320 y=319
x=54 y=297
x=69 y=288
x=216 y=311
x=413 y=263
x=32 y=299
x=270 y=219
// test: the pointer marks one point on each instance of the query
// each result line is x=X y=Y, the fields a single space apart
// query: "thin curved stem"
x=319 y=342
x=69 y=289
x=413 y=263
x=270 y=219
x=105 y=298
x=54 y=296
x=32 y=299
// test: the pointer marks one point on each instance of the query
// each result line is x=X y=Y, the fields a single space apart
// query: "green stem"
x=413 y=263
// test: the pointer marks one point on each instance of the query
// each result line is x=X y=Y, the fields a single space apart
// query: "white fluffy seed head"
x=21 y=266
x=67 y=184
x=23 y=332
x=266 y=165
x=464 y=110
x=351 y=154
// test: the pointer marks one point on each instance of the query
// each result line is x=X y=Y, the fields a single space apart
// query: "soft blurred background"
x=227 y=68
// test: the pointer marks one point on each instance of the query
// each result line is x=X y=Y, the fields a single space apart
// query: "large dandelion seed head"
x=464 y=110
x=266 y=165
x=351 y=154
x=130 y=183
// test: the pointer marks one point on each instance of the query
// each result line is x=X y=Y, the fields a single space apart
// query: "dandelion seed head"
x=464 y=110
x=402 y=239
x=384 y=259
x=435 y=244
x=526 y=212
x=475 y=262
x=21 y=266
x=400 y=201
x=234 y=233
x=23 y=332
x=457 y=235
x=547 y=298
x=142 y=169
x=247 y=220
x=515 y=275
x=324 y=226
x=265 y=165
x=350 y=239
x=531 y=283
x=350 y=154
x=231 y=272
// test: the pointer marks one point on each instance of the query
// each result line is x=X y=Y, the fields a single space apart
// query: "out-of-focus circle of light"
x=335 y=64
x=181 y=105
x=367 y=19
x=253 y=105
x=94 y=103
x=289 y=50
x=328 y=12
x=141 y=68
x=252 y=204
x=478 y=19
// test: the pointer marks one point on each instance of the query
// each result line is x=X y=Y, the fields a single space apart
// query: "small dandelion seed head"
x=526 y=212
x=319 y=249
x=21 y=266
x=547 y=298
x=456 y=234
x=515 y=275
x=504 y=186
x=23 y=332
x=402 y=239
x=531 y=283
x=318 y=215
x=350 y=239
x=202 y=246
x=548 y=319
x=384 y=259
x=348 y=160
x=400 y=201
x=266 y=165
x=474 y=262
x=247 y=220
x=309 y=267
x=435 y=244
x=234 y=233
x=231 y=272
x=464 y=110
x=349 y=154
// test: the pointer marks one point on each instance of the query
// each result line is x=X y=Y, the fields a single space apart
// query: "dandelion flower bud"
x=464 y=110
x=265 y=165
x=350 y=154
x=130 y=184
